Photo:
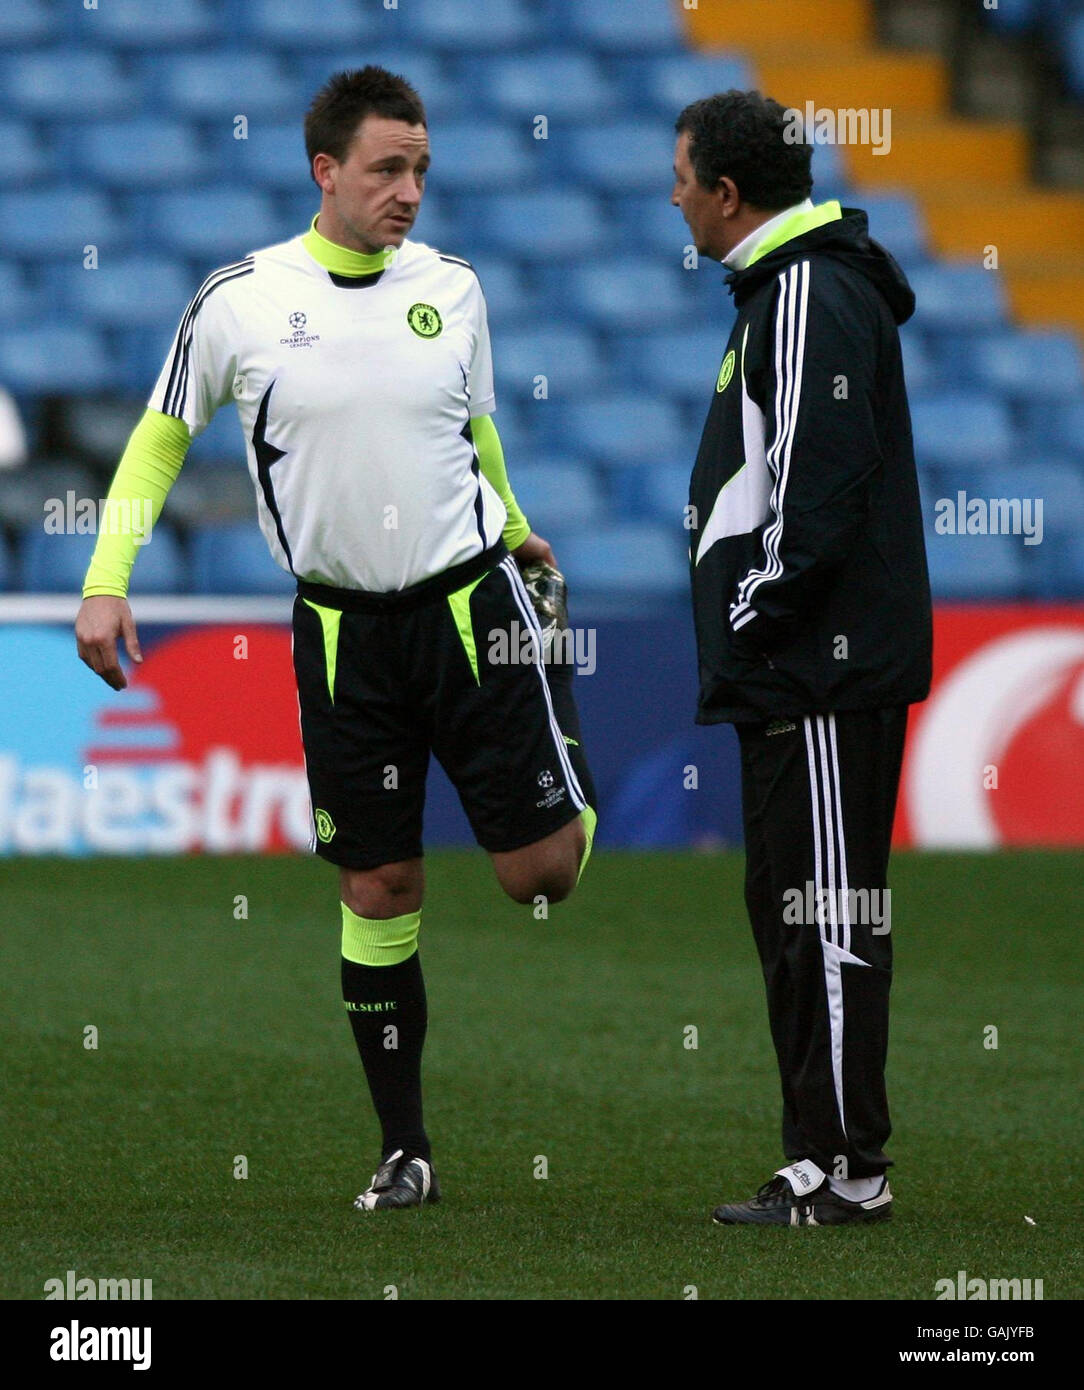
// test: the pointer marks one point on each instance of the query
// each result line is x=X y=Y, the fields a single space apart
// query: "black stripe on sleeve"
x=177 y=387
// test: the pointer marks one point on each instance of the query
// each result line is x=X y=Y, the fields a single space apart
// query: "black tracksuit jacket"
x=810 y=589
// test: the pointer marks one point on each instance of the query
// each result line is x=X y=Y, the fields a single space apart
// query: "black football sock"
x=387 y=1009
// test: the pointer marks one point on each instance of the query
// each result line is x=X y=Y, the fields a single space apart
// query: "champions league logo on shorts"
x=299 y=338
x=554 y=795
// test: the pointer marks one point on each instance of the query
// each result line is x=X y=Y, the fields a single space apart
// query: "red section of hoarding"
x=226 y=696
x=994 y=755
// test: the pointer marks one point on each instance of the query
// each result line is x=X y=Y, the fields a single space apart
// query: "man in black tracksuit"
x=812 y=609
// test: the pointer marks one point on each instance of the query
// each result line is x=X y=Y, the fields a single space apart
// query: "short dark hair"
x=741 y=135
x=344 y=101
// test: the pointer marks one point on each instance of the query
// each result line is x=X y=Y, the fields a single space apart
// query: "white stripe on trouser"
x=826 y=800
x=843 y=898
x=530 y=618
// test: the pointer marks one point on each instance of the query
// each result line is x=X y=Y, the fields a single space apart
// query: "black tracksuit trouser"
x=818 y=800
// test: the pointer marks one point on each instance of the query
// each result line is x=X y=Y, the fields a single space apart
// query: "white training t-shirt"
x=355 y=397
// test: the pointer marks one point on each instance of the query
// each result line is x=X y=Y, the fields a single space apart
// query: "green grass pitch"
x=564 y=1039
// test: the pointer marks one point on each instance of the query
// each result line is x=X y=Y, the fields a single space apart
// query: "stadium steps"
x=1043 y=294
x=971 y=177
x=907 y=83
x=1038 y=221
x=759 y=24
x=935 y=151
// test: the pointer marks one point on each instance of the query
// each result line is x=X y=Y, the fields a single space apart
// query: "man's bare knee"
x=387 y=891
x=558 y=884
x=526 y=883
x=546 y=869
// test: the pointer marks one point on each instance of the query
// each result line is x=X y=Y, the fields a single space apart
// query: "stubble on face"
x=699 y=206
x=378 y=185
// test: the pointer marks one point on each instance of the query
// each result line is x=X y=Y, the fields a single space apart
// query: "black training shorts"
x=384 y=678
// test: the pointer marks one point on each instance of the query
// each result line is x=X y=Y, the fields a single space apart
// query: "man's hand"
x=532 y=549
x=101 y=620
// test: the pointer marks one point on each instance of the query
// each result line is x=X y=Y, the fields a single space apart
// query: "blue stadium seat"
x=214 y=226
x=297 y=209
x=53 y=359
x=59 y=221
x=222 y=441
x=1059 y=569
x=483 y=25
x=509 y=299
x=27 y=21
x=950 y=353
x=919 y=370
x=1058 y=483
x=274 y=157
x=568 y=357
x=17 y=299
x=560 y=84
x=221 y=84
x=830 y=175
x=47 y=82
x=543 y=225
x=23 y=157
x=1013 y=16
x=1058 y=426
x=235 y=559
x=286 y=25
x=520 y=438
x=954 y=297
x=895 y=220
x=619 y=157
x=135 y=24
x=653 y=494
x=971 y=567
x=629 y=558
x=477 y=155
x=440 y=96
x=1073 y=40
x=626 y=292
x=615 y=26
x=682 y=363
x=58 y=563
x=554 y=493
x=141 y=352
x=29 y=495
x=140 y=153
x=1028 y=364
x=617 y=428
x=437 y=226
x=672 y=83
x=962 y=428
x=650 y=222
x=125 y=291
x=52 y=564
x=161 y=566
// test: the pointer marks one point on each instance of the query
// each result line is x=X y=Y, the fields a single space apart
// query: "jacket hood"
x=847 y=239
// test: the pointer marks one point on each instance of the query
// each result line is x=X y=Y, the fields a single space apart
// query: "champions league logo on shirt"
x=299 y=338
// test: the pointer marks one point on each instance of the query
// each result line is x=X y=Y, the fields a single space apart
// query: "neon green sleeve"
x=491 y=458
x=147 y=470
